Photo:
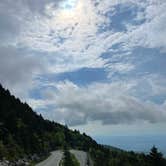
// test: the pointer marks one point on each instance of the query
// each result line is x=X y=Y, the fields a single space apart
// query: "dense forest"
x=24 y=133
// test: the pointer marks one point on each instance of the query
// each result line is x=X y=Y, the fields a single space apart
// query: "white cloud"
x=70 y=38
x=18 y=71
x=119 y=67
x=151 y=32
x=73 y=35
x=110 y=103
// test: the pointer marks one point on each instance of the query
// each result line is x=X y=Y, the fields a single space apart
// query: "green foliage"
x=59 y=138
x=156 y=158
x=69 y=159
x=3 y=151
x=104 y=157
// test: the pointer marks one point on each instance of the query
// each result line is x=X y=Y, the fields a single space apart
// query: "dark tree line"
x=104 y=157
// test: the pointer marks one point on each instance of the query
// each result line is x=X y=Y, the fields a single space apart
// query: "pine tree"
x=156 y=158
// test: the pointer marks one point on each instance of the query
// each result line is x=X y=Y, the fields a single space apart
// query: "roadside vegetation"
x=106 y=157
x=69 y=159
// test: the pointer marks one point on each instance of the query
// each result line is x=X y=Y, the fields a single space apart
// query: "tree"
x=2 y=150
x=156 y=158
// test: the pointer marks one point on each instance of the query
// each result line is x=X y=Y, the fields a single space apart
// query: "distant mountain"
x=24 y=133
x=112 y=148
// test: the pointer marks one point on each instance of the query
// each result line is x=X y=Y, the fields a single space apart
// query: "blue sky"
x=97 y=66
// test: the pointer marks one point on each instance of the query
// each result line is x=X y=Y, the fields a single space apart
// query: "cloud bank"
x=110 y=103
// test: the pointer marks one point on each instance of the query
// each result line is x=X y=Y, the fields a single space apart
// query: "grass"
x=72 y=161
x=75 y=161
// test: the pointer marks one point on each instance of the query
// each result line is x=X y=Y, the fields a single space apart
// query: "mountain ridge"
x=30 y=133
x=25 y=134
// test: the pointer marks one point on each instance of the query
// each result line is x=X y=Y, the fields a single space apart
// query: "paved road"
x=56 y=156
x=81 y=157
x=52 y=160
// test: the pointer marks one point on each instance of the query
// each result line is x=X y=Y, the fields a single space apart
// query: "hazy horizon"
x=135 y=143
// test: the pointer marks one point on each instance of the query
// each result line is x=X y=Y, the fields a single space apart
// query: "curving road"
x=56 y=157
x=52 y=160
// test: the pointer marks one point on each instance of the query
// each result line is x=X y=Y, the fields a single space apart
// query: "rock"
x=4 y=163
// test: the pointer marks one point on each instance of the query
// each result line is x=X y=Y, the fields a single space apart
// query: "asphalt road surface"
x=56 y=156
x=53 y=159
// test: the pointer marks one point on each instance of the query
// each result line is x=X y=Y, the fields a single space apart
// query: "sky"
x=98 y=66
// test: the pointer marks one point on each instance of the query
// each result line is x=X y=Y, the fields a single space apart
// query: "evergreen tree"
x=156 y=158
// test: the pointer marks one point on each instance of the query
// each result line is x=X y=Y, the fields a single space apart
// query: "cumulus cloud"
x=17 y=71
x=110 y=103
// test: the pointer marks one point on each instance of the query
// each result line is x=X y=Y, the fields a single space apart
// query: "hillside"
x=25 y=134
x=22 y=131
